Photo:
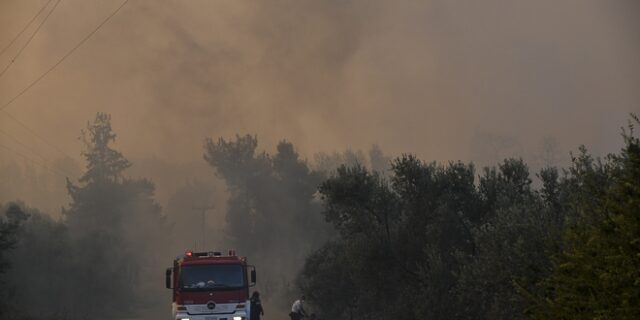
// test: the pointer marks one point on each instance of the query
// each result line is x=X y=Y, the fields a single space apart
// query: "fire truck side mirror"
x=253 y=276
x=167 y=278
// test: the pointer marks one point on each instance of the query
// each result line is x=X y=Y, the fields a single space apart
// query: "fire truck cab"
x=210 y=286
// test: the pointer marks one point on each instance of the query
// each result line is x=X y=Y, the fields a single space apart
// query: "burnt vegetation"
x=362 y=235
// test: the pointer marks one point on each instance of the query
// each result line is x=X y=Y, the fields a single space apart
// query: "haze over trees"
x=272 y=216
x=100 y=259
x=117 y=225
x=273 y=210
x=42 y=187
x=364 y=236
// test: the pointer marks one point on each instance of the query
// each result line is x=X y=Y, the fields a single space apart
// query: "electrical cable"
x=24 y=145
x=26 y=44
x=64 y=57
x=25 y=28
x=35 y=134
x=44 y=165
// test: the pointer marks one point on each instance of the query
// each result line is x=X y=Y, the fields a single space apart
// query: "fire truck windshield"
x=211 y=277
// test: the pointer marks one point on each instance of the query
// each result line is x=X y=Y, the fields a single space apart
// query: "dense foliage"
x=596 y=275
x=434 y=242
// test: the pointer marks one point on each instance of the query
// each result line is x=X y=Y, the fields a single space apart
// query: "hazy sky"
x=412 y=76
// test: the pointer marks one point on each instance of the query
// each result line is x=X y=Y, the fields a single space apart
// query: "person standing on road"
x=256 y=306
x=297 y=309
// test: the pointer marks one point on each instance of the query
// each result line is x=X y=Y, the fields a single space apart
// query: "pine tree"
x=116 y=225
x=598 y=273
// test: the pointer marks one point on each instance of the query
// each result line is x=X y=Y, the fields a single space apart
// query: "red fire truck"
x=210 y=286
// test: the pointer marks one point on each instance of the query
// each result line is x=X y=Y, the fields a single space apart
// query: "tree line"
x=364 y=236
x=432 y=241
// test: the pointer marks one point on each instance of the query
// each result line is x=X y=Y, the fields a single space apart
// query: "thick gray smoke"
x=445 y=80
x=419 y=76
x=435 y=78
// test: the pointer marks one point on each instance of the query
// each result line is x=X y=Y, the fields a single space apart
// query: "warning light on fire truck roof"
x=191 y=254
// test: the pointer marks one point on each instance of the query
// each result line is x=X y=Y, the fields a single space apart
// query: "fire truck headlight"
x=238 y=318
x=184 y=318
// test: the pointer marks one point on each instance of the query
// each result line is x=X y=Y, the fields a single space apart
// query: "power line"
x=26 y=44
x=44 y=165
x=22 y=144
x=25 y=28
x=44 y=160
x=35 y=134
x=65 y=56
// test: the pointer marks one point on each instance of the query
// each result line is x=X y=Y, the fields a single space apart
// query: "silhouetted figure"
x=297 y=309
x=256 y=306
